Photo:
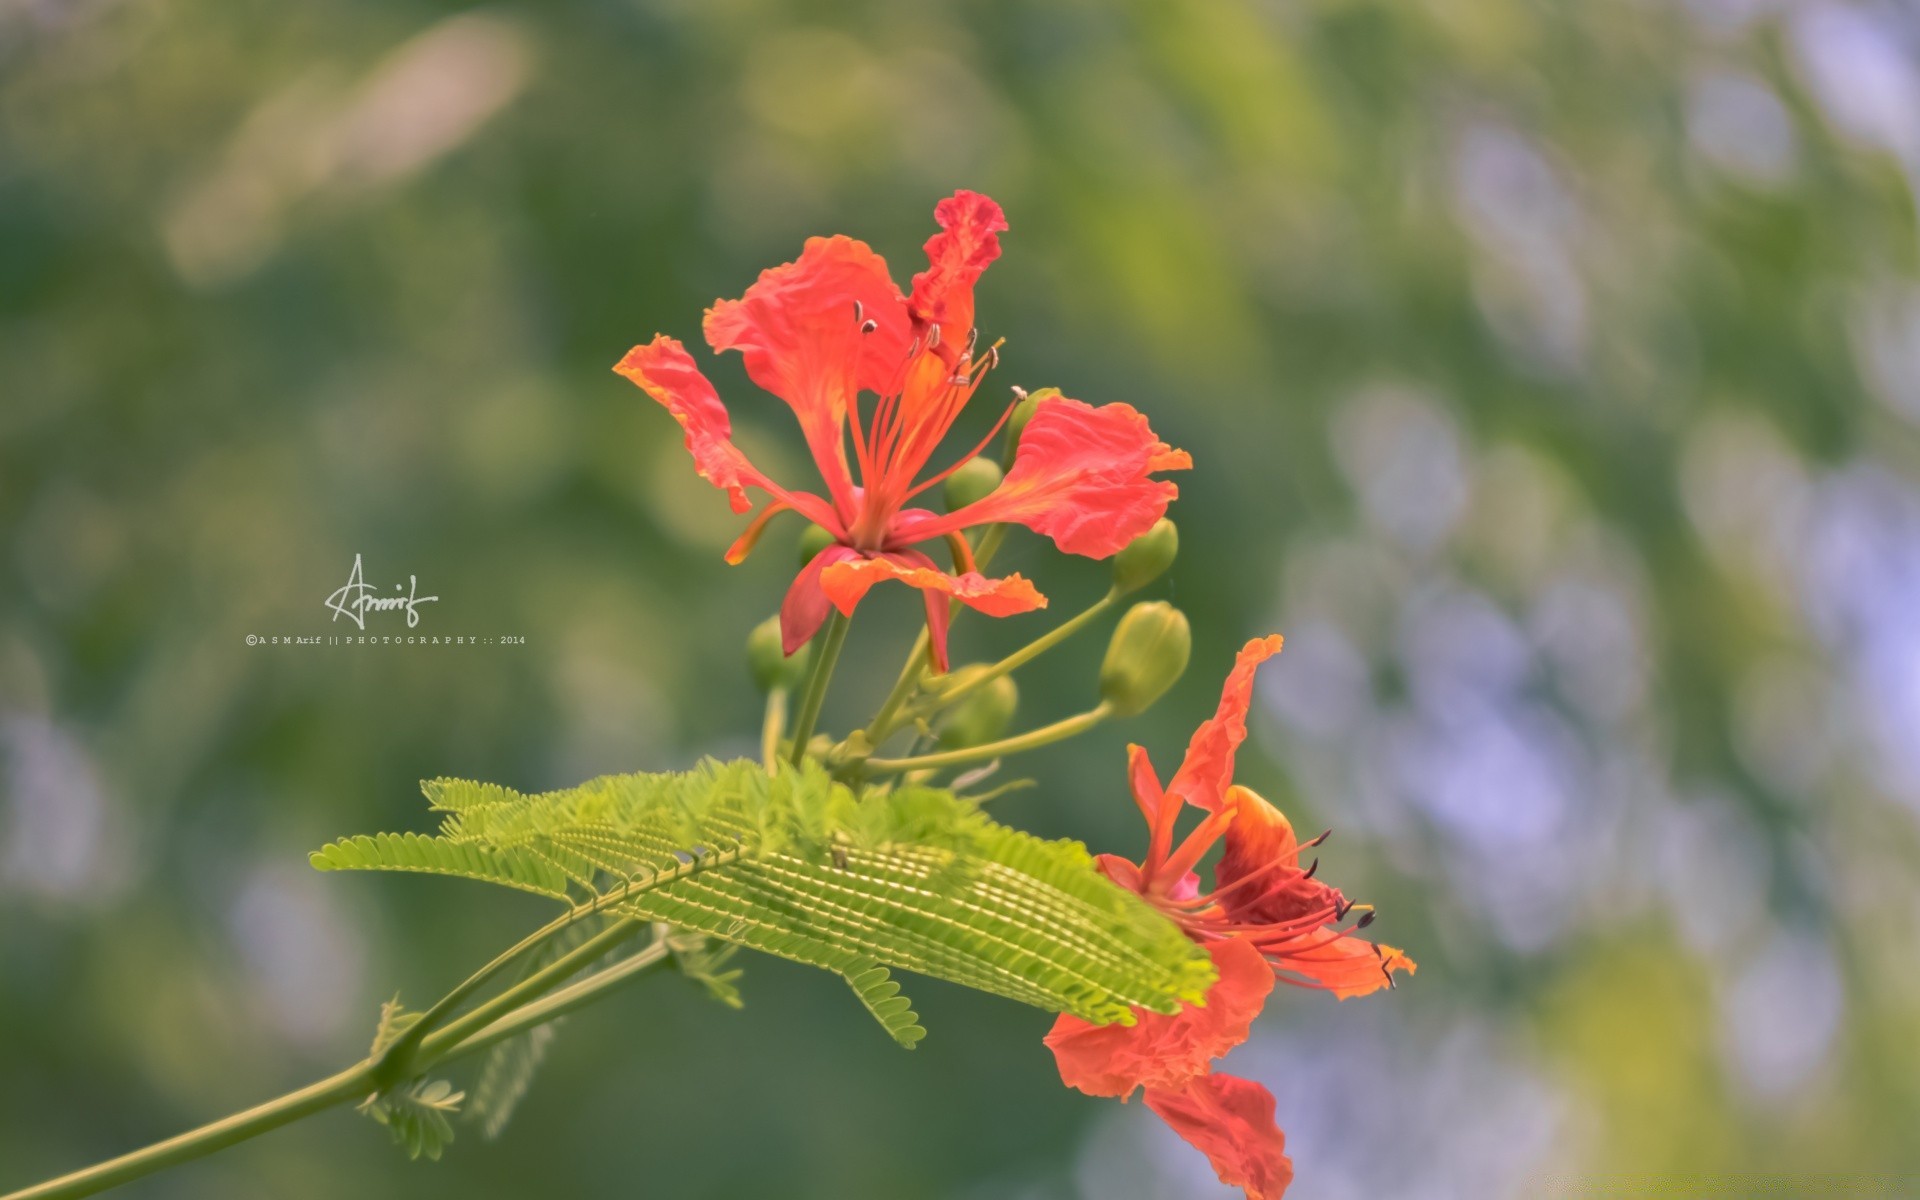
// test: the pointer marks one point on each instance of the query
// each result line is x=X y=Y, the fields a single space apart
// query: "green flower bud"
x=1023 y=412
x=972 y=482
x=1149 y=650
x=812 y=542
x=984 y=715
x=772 y=667
x=1146 y=557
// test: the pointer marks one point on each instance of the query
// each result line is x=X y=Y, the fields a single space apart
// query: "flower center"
x=930 y=390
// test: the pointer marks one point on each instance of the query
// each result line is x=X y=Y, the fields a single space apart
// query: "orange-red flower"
x=1265 y=919
x=821 y=331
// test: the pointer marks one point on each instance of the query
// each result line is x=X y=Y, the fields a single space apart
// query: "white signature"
x=356 y=599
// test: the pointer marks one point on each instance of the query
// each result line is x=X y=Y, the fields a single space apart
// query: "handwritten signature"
x=356 y=599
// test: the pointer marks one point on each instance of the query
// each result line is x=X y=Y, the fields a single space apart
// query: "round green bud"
x=1146 y=557
x=972 y=482
x=812 y=542
x=1149 y=650
x=1023 y=412
x=984 y=715
x=772 y=666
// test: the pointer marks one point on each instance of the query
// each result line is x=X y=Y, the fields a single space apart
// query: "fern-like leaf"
x=420 y=1116
x=517 y=868
x=883 y=998
x=505 y=1077
x=797 y=865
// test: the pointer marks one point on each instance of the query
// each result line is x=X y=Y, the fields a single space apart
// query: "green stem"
x=910 y=675
x=1019 y=658
x=351 y=1084
x=1046 y=735
x=771 y=727
x=533 y=986
x=395 y=1062
x=517 y=1008
x=816 y=692
x=911 y=672
x=560 y=1003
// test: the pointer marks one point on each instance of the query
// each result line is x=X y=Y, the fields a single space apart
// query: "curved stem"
x=1019 y=658
x=560 y=1003
x=533 y=986
x=350 y=1084
x=914 y=669
x=816 y=693
x=1046 y=735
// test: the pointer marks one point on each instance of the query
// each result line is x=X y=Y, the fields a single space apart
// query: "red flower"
x=1265 y=919
x=820 y=331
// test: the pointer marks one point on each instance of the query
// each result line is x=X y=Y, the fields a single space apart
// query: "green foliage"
x=420 y=1115
x=883 y=998
x=799 y=866
x=505 y=1077
x=696 y=957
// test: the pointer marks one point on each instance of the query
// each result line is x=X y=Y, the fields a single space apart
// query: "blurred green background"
x=1552 y=372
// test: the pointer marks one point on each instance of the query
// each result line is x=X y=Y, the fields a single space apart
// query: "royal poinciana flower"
x=824 y=330
x=1266 y=919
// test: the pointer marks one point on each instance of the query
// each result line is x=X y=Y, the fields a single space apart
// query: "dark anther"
x=1314 y=866
x=1324 y=835
x=869 y=326
x=1342 y=909
x=859 y=310
x=1364 y=921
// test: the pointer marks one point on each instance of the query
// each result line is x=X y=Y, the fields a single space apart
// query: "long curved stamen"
x=969 y=456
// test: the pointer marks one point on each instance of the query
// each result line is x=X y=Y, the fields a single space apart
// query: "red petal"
x=846 y=582
x=966 y=244
x=1230 y=1120
x=1203 y=777
x=665 y=370
x=1120 y=870
x=1166 y=1050
x=1347 y=966
x=1081 y=476
x=800 y=334
x=805 y=608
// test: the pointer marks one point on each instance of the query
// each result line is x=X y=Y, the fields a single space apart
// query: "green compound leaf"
x=883 y=999
x=420 y=1116
x=797 y=865
x=505 y=1077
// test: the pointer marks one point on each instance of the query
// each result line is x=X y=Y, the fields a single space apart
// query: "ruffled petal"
x=1160 y=1049
x=1208 y=768
x=1230 y=1120
x=805 y=607
x=1082 y=476
x=967 y=242
x=847 y=582
x=801 y=331
x=665 y=371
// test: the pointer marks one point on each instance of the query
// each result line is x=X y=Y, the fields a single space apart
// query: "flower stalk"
x=830 y=643
x=1033 y=739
